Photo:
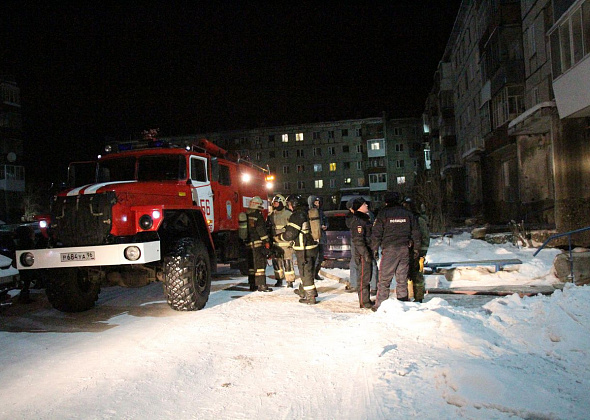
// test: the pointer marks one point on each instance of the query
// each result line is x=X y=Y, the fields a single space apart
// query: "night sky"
x=90 y=72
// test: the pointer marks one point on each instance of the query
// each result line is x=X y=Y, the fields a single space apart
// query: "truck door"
x=227 y=204
x=202 y=194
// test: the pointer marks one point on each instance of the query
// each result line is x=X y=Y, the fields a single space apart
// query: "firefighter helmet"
x=297 y=200
x=256 y=203
x=279 y=199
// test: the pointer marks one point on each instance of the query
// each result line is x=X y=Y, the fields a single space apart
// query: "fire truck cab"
x=146 y=211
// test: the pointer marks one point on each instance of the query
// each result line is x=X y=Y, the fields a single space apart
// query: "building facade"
x=12 y=173
x=331 y=159
x=519 y=73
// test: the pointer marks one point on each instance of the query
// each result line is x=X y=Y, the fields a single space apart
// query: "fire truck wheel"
x=71 y=290
x=187 y=276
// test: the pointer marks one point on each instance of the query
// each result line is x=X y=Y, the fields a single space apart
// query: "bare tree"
x=429 y=193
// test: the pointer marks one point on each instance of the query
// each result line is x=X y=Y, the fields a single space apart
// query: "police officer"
x=360 y=232
x=417 y=261
x=395 y=230
x=258 y=242
x=282 y=260
x=298 y=230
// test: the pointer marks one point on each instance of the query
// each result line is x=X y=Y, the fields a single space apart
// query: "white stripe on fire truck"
x=92 y=188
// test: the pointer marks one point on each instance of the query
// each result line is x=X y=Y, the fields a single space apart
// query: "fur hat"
x=357 y=203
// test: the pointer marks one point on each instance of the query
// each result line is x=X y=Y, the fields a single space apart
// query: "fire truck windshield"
x=149 y=168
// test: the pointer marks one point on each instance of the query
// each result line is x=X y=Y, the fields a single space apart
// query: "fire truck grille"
x=83 y=220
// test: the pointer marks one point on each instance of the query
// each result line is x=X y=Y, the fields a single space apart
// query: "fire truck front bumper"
x=87 y=256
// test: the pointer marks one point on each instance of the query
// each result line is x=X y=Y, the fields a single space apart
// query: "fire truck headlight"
x=43 y=224
x=27 y=259
x=156 y=214
x=132 y=253
x=146 y=222
x=246 y=178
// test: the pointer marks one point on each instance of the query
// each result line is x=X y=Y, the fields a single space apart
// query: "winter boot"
x=299 y=291
x=290 y=284
x=279 y=283
x=308 y=298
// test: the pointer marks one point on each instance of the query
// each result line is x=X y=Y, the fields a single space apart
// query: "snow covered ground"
x=266 y=356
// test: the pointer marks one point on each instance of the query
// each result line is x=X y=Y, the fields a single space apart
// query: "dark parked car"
x=337 y=252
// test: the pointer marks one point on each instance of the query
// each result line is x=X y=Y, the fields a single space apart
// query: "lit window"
x=401 y=180
x=317 y=167
x=285 y=138
x=332 y=166
x=298 y=136
x=375 y=145
x=319 y=183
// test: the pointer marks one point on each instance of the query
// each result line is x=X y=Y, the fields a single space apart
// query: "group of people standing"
x=397 y=237
x=287 y=231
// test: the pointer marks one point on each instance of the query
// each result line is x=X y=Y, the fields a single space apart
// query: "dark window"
x=112 y=170
x=161 y=168
x=198 y=171
x=337 y=223
x=224 y=178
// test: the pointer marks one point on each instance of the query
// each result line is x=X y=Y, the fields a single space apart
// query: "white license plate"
x=76 y=256
x=340 y=247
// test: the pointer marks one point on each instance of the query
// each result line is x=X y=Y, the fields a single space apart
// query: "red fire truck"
x=146 y=211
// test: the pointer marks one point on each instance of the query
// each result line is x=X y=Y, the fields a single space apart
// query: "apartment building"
x=519 y=76
x=12 y=173
x=330 y=159
x=559 y=97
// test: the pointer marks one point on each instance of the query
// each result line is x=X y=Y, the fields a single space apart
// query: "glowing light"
x=246 y=177
x=43 y=224
x=156 y=214
x=269 y=185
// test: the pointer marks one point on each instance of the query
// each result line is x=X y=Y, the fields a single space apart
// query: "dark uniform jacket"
x=395 y=226
x=298 y=230
x=360 y=232
x=257 y=234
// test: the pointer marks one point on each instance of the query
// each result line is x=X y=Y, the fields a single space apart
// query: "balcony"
x=570 y=61
x=572 y=91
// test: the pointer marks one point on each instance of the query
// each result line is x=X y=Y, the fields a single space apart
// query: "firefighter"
x=282 y=260
x=360 y=232
x=258 y=242
x=314 y=201
x=395 y=231
x=306 y=249
x=417 y=262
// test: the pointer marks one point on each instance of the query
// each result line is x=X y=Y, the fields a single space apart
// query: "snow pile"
x=266 y=356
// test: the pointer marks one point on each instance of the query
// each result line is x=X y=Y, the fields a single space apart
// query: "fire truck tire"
x=187 y=276
x=71 y=290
